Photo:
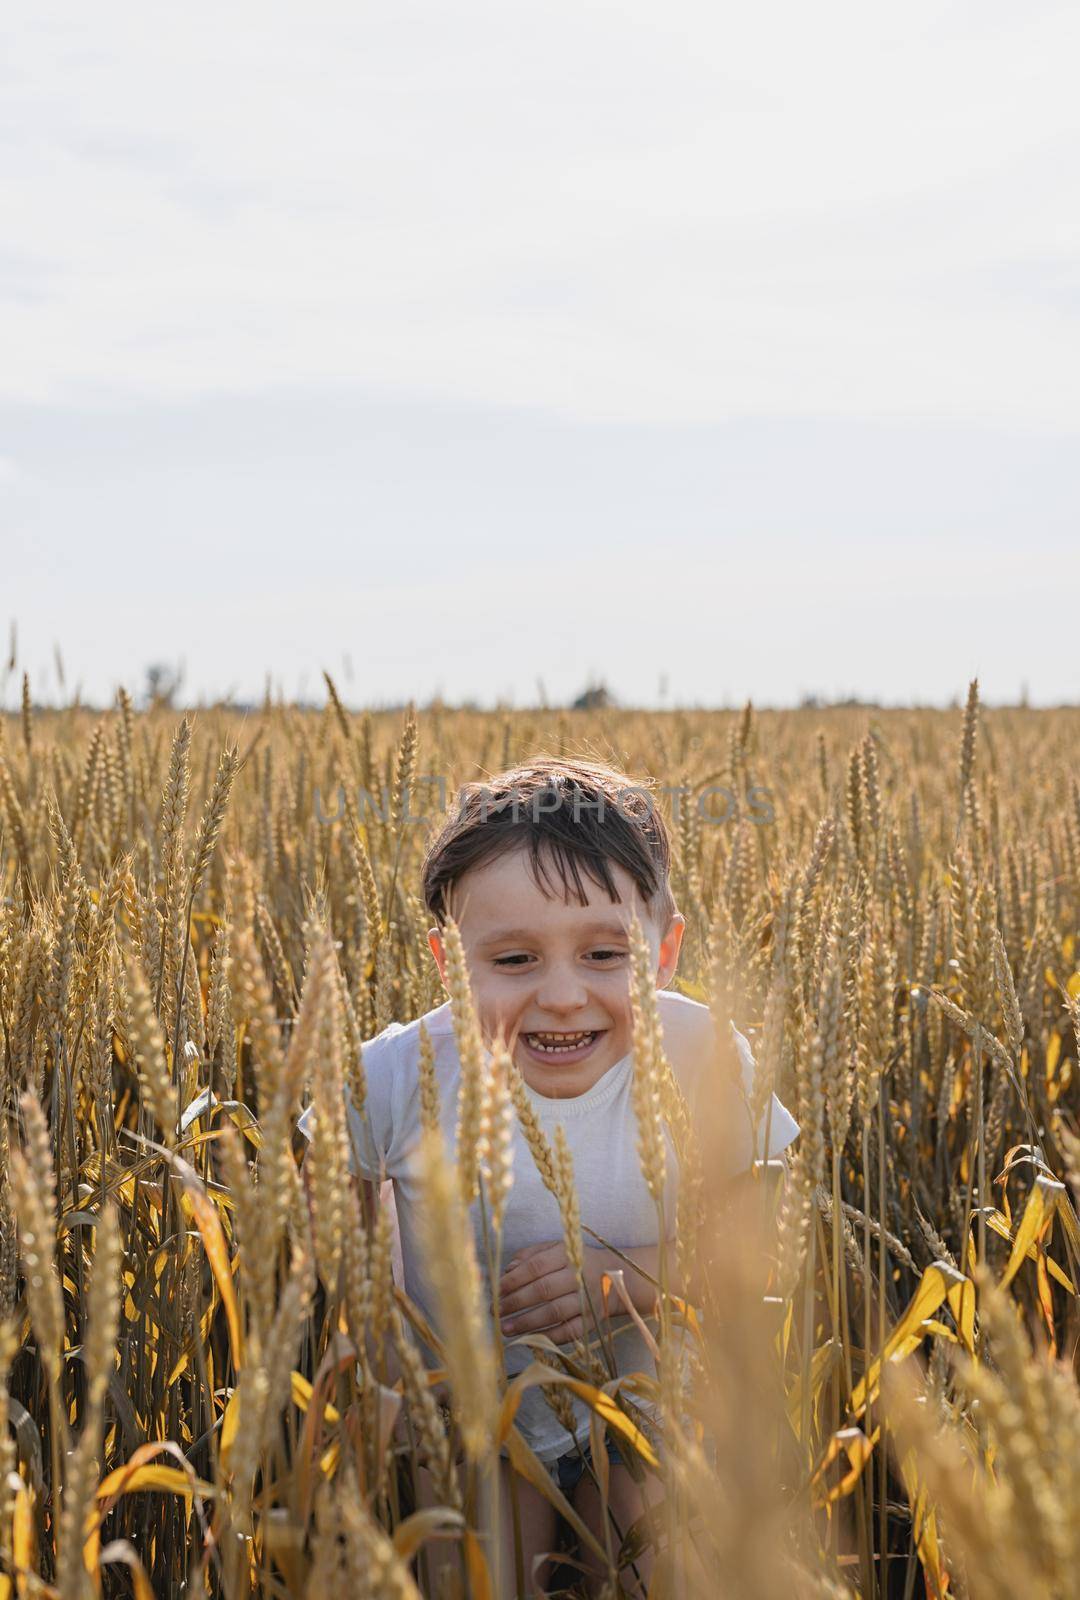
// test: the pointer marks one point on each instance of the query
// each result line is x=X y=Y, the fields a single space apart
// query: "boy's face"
x=540 y=966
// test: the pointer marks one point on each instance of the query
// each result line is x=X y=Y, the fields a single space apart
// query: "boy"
x=551 y=971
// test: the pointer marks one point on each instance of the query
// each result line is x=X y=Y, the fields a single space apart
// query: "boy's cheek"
x=495 y=1016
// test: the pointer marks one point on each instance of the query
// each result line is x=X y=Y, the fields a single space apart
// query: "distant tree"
x=162 y=684
x=597 y=697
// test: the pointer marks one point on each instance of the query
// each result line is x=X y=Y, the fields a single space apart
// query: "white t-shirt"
x=601 y=1131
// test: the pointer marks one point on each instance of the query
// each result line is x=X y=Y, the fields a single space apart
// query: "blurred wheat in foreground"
x=209 y=1384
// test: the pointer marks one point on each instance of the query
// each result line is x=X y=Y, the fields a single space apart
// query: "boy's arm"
x=744 y=1199
x=641 y=1270
x=747 y=1215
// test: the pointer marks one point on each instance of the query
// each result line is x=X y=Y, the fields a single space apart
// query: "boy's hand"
x=538 y=1292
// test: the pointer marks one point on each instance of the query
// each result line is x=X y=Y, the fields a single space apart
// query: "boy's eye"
x=601 y=955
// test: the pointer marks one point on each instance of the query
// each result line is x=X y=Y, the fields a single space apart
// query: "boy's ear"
x=669 y=950
x=438 y=950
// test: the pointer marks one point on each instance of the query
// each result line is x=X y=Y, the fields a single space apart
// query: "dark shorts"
x=568 y=1470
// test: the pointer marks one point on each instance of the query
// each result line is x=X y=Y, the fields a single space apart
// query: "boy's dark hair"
x=611 y=819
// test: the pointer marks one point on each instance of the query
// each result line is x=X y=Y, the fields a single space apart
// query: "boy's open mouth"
x=569 y=1045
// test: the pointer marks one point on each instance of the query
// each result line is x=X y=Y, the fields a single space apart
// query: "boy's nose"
x=561 y=996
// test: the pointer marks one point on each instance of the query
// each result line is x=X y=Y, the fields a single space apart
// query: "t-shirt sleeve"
x=376 y=1132
x=781 y=1125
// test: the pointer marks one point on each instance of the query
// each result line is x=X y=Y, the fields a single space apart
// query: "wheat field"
x=209 y=1383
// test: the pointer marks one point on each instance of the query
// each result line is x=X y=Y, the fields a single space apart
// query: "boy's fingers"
x=531 y=1251
x=538 y=1291
x=544 y=1259
x=551 y=1314
x=528 y=1290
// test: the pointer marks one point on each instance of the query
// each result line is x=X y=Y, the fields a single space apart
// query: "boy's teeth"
x=560 y=1041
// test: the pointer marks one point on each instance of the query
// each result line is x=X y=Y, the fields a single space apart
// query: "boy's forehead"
x=504 y=894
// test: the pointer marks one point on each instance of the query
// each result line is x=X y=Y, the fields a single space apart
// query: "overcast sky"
x=716 y=350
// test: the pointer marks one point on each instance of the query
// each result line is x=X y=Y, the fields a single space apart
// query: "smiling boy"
x=543 y=869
